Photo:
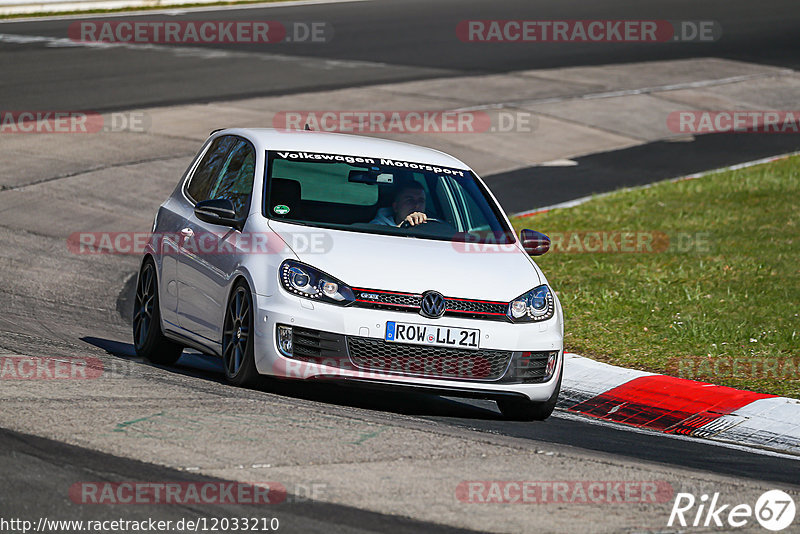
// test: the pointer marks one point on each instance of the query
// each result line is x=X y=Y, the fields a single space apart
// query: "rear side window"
x=209 y=168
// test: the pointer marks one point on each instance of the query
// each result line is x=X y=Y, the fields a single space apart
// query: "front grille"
x=410 y=302
x=477 y=307
x=430 y=362
x=390 y=299
x=386 y=299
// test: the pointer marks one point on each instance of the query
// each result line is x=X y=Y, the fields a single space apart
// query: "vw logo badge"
x=432 y=304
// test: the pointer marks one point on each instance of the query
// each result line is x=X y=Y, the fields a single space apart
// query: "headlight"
x=306 y=281
x=535 y=305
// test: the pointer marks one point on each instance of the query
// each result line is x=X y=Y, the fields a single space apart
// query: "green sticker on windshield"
x=280 y=209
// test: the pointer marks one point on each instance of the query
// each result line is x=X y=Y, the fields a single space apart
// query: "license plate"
x=435 y=336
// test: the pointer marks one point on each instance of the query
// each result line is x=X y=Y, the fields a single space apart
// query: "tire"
x=148 y=339
x=517 y=409
x=238 y=352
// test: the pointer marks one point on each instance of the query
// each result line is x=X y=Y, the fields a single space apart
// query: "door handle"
x=187 y=232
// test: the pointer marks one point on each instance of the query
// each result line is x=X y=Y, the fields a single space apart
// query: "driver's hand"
x=416 y=218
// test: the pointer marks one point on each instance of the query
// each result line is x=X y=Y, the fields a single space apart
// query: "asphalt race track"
x=36 y=470
x=384 y=41
x=62 y=305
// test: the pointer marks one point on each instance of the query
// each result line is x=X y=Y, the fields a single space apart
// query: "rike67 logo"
x=774 y=510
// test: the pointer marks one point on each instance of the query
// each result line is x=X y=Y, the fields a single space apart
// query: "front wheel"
x=148 y=339
x=527 y=410
x=238 y=353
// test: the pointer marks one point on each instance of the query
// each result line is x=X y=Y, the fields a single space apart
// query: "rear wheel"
x=238 y=353
x=527 y=410
x=148 y=339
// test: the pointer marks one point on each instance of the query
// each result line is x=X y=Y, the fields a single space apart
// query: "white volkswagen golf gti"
x=324 y=256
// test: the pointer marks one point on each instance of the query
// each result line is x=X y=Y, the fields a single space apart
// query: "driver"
x=408 y=205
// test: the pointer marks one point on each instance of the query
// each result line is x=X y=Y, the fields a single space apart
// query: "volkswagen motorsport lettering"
x=309 y=156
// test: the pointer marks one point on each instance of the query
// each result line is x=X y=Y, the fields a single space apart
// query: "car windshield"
x=374 y=195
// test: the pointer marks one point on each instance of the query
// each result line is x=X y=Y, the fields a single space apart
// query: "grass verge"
x=708 y=287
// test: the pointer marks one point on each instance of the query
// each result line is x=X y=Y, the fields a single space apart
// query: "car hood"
x=414 y=265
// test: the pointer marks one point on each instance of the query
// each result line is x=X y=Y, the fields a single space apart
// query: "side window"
x=209 y=167
x=475 y=219
x=467 y=215
x=235 y=181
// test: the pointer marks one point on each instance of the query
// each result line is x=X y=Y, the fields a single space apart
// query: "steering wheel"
x=406 y=224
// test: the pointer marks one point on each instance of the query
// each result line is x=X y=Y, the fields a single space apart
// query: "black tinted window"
x=236 y=177
x=208 y=170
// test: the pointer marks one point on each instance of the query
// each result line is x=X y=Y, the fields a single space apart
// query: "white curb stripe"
x=772 y=423
x=585 y=379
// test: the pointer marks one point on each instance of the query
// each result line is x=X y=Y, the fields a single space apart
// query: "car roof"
x=335 y=143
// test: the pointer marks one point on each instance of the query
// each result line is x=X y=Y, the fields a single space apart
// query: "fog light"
x=534 y=367
x=285 y=340
x=551 y=365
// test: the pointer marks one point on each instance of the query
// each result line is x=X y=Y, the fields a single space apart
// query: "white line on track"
x=191 y=51
x=176 y=10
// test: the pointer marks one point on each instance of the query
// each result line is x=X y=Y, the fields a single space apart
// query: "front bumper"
x=352 y=329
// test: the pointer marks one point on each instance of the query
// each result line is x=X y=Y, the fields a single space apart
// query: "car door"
x=208 y=255
x=171 y=218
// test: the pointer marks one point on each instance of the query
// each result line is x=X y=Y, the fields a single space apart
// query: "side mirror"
x=534 y=243
x=218 y=211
